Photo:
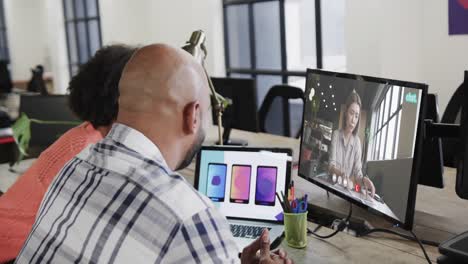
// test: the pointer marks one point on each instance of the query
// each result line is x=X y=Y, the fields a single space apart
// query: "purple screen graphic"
x=266 y=185
x=458 y=17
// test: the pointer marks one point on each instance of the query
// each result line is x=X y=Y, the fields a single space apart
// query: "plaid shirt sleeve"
x=203 y=238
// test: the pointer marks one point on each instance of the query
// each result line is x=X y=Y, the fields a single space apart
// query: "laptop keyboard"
x=245 y=231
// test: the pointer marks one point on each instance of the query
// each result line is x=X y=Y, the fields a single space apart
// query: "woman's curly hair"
x=94 y=90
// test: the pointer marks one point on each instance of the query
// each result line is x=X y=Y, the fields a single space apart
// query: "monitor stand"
x=324 y=217
x=234 y=142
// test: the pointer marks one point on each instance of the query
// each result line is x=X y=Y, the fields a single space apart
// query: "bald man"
x=120 y=200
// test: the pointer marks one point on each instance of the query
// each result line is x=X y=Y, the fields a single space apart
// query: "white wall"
x=56 y=44
x=445 y=57
x=36 y=36
x=124 y=21
x=171 y=22
x=25 y=33
x=396 y=39
x=36 y=33
x=406 y=40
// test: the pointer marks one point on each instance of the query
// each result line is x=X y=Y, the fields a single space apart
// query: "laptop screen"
x=242 y=182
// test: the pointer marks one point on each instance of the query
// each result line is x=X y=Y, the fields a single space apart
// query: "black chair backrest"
x=5 y=78
x=284 y=93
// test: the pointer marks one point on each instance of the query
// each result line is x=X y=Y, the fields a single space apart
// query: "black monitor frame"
x=432 y=172
x=242 y=114
x=417 y=157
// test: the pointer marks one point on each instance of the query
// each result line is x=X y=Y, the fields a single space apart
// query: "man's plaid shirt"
x=118 y=202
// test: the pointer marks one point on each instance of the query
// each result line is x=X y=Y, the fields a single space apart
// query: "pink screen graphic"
x=240 y=183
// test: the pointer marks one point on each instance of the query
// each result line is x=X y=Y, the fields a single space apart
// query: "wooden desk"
x=439 y=215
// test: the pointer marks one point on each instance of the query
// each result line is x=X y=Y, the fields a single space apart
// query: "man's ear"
x=191 y=118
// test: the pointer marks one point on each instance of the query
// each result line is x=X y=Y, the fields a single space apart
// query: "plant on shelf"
x=22 y=133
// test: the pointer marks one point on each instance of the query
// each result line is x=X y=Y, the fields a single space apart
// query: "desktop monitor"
x=360 y=130
x=46 y=108
x=242 y=113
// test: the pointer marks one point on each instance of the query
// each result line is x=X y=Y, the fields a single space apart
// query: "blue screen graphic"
x=216 y=183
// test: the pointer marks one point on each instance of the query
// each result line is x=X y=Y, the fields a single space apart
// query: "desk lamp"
x=196 y=46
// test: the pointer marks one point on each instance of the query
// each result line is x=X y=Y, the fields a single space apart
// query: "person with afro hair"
x=93 y=98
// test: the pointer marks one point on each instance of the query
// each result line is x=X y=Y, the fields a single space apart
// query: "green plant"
x=22 y=132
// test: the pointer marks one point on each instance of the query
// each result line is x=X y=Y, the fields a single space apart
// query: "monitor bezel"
x=287 y=151
x=417 y=155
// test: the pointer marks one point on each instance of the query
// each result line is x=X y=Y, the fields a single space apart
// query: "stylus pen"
x=286 y=203
x=293 y=193
x=281 y=203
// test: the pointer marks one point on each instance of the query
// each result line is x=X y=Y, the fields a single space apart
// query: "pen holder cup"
x=295 y=229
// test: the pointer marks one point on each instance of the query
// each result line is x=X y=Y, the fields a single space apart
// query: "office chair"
x=269 y=114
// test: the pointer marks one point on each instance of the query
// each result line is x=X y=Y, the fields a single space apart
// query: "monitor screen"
x=361 y=133
x=242 y=113
x=242 y=182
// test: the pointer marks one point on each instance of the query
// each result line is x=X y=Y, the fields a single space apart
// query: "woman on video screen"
x=345 y=153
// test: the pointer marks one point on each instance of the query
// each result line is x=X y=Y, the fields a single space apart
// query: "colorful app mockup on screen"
x=216 y=183
x=266 y=185
x=240 y=183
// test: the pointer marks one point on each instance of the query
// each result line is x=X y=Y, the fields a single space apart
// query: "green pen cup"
x=295 y=229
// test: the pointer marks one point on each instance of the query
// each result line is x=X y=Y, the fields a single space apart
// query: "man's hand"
x=369 y=186
x=249 y=254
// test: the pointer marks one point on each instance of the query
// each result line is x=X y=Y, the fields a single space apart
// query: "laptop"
x=242 y=183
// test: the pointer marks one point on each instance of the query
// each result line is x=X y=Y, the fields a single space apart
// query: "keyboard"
x=245 y=231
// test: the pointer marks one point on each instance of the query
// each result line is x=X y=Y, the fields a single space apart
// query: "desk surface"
x=439 y=215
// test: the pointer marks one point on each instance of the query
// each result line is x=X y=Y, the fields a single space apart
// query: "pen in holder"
x=295 y=220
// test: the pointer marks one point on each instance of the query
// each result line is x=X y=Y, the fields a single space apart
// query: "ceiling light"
x=335 y=109
x=333 y=96
x=326 y=106
x=324 y=100
x=318 y=84
x=330 y=86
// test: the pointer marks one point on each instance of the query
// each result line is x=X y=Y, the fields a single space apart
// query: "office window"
x=275 y=41
x=387 y=124
x=4 y=52
x=83 y=31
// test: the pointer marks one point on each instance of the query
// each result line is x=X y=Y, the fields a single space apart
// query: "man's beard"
x=193 y=150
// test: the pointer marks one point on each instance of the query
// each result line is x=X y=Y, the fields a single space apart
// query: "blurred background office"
x=272 y=42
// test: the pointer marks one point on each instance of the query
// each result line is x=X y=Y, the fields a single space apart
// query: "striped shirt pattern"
x=118 y=202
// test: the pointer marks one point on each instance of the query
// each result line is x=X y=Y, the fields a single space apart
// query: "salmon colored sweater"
x=19 y=205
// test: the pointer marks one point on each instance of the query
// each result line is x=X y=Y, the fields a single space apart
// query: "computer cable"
x=423 y=241
x=341 y=226
x=414 y=238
